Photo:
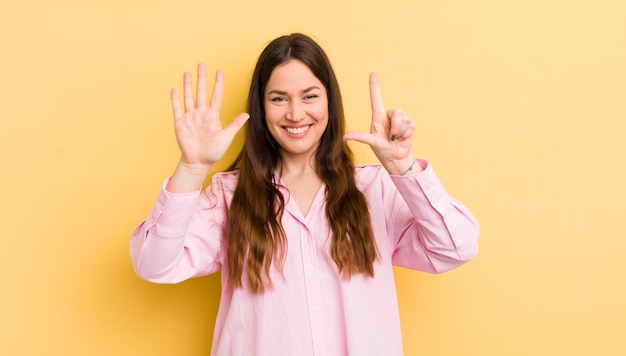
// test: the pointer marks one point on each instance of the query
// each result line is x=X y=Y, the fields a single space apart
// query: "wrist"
x=405 y=167
x=188 y=177
x=409 y=169
x=195 y=169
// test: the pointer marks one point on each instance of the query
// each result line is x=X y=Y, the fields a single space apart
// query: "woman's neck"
x=297 y=165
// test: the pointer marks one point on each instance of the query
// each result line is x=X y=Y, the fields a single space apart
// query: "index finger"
x=218 y=91
x=375 y=97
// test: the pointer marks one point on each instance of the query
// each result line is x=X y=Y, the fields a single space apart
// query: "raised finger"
x=178 y=113
x=218 y=91
x=376 y=99
x=201 y=87
x=188 y=92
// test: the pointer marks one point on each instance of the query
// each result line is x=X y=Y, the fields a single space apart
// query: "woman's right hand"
x=199 y=133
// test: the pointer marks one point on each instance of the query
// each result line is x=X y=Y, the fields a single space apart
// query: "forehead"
x=293 y=75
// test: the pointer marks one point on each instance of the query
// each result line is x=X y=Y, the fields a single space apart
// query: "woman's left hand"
x=390 y=136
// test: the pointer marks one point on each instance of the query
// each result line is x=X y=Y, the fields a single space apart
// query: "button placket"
x=311 y=280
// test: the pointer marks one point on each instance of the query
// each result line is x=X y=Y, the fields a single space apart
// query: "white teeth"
x=297 y=130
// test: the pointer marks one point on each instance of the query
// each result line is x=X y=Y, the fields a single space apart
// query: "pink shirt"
x=311 y=311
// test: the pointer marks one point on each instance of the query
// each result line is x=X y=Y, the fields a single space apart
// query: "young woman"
x=305 y=241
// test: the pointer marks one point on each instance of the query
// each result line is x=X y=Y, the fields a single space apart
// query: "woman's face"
x=296 y=108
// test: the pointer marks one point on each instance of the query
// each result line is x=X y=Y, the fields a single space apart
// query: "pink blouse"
x=310 y=310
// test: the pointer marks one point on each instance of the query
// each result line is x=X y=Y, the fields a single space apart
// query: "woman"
x=305 y=240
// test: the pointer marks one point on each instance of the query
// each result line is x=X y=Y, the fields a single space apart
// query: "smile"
x=297 y=130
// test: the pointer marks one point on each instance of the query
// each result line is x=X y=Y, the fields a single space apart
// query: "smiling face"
x=296 y=108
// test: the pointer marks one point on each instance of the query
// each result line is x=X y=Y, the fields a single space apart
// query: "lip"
x=297 y=131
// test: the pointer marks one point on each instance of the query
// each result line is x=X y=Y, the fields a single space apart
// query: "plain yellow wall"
x=520 y=107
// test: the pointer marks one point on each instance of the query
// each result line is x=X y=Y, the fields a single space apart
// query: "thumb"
x=359 y=136
x=237 y=123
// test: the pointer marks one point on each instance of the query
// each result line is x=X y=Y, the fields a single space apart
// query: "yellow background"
x=520 y=107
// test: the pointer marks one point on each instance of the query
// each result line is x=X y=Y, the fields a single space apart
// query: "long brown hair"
x=255 y=237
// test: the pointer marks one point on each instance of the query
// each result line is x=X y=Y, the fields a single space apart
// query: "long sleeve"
x=182 y=236
x=429 y=230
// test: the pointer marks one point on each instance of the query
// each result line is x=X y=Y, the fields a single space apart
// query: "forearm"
x=438 y=228
x=188 y=178
x=179 y=239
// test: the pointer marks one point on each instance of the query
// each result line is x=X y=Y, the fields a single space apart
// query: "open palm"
x=201 y=138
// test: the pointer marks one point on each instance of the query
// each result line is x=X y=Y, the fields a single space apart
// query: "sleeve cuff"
x=423 y=192
x=179 y=209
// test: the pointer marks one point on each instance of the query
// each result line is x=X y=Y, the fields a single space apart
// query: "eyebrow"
x=280 y=92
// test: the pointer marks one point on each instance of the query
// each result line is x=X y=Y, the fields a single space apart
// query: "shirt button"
x=310 y=267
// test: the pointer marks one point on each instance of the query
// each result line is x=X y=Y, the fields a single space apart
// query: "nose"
x=296 y=111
